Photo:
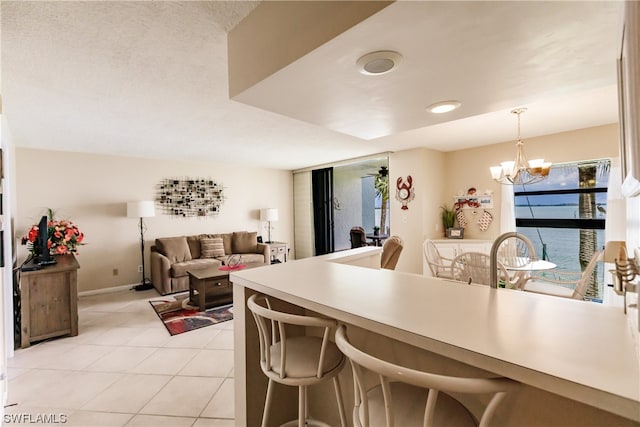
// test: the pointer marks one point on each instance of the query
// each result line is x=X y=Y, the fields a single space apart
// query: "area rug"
x=179 y=316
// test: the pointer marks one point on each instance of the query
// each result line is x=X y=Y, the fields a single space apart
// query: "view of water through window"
x=564 y=217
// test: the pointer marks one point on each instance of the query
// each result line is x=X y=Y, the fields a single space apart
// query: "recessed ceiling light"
x=443 y=107
x=376 y=63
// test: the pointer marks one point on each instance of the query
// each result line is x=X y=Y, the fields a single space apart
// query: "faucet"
x=493 y=258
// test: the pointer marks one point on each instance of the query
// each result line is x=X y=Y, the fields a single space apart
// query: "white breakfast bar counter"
x=584 y=352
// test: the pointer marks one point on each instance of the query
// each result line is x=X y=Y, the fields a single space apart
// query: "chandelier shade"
x=520 y=171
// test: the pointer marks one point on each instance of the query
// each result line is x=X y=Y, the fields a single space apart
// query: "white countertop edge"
x=611 y=402
x=344 y=257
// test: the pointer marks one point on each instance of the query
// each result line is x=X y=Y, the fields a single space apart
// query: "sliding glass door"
x=322 y=187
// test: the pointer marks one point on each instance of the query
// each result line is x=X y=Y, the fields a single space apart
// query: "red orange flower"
x=64 y=237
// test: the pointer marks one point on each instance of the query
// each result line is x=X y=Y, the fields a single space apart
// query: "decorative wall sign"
x=473 y=200
x=188 y=197
x=404 y=191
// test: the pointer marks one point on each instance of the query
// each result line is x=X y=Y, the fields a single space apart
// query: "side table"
x=279 y=252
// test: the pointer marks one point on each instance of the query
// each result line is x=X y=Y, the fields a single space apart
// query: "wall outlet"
x=139 y=269
x=115 y=271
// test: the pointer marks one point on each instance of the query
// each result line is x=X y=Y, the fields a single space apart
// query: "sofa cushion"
x=251 y=259
x=226 y=239
x=180 y=269
x=244 y=242
x=194 y=246
x=211 y=247
x=174 y=248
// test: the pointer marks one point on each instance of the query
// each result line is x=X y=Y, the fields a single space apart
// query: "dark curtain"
x=322 y=185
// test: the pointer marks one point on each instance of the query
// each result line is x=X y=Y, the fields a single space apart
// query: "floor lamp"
x=269 y=215
x=144 y=209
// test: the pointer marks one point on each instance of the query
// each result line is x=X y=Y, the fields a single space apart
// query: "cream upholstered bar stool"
x=407 y=397
x=391 y=252
x=296 y=360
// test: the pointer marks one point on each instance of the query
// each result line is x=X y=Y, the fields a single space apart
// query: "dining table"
x=377 y=238
x=524 y=270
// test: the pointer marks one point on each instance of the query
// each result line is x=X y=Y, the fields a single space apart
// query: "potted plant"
x=376 y=230
x=448 y=218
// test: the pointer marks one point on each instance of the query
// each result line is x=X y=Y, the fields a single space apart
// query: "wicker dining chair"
x=439 y=265
x=474 y=267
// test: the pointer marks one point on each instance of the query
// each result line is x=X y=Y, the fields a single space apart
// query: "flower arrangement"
x=64 y=236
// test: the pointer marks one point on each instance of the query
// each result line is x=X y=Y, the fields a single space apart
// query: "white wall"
x=422 y=218
x=92 y=190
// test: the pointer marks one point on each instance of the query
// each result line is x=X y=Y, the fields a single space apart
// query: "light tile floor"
x=124 y=369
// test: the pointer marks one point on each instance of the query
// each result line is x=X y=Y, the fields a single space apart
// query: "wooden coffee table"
x=210 y=286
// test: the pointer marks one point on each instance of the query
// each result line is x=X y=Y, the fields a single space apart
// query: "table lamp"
x=269 y=215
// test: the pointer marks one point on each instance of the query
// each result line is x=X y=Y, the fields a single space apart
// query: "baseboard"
x=107 y=290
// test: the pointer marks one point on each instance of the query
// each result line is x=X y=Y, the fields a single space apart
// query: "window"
x=565 y=214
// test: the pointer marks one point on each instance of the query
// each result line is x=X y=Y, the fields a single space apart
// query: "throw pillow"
x=244 y=242
x=211 y=247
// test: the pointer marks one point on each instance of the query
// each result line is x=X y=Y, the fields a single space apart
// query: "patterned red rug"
x=179 y=316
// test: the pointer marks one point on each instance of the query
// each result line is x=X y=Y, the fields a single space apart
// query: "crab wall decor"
x=404 y=191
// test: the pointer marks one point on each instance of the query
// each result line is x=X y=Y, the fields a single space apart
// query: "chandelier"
x=520 y=171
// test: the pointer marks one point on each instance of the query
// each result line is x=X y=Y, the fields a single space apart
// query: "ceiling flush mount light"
x=520 y=171
x=443 y=107
x=377 y=63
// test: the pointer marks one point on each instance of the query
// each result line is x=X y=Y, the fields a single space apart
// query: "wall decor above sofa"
x=188 y=197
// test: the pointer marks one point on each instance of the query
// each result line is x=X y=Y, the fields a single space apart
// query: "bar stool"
x=298 y=361
x=391 y=252
x=407 y=397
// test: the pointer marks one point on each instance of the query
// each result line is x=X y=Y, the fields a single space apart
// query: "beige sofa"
x=172 y=257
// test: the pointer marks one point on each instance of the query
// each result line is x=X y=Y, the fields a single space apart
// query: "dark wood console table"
x=49 y=300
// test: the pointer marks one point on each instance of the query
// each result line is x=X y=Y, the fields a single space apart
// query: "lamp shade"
x=269 y=214
x=143 y=209
x=615 y=250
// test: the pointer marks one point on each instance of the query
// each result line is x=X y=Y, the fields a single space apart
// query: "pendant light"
x=520 y=171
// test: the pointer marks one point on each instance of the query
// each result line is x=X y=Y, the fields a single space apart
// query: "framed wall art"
x=455 y=233
x=190 y=197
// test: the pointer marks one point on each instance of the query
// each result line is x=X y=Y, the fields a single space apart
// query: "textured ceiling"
x=149 y=79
